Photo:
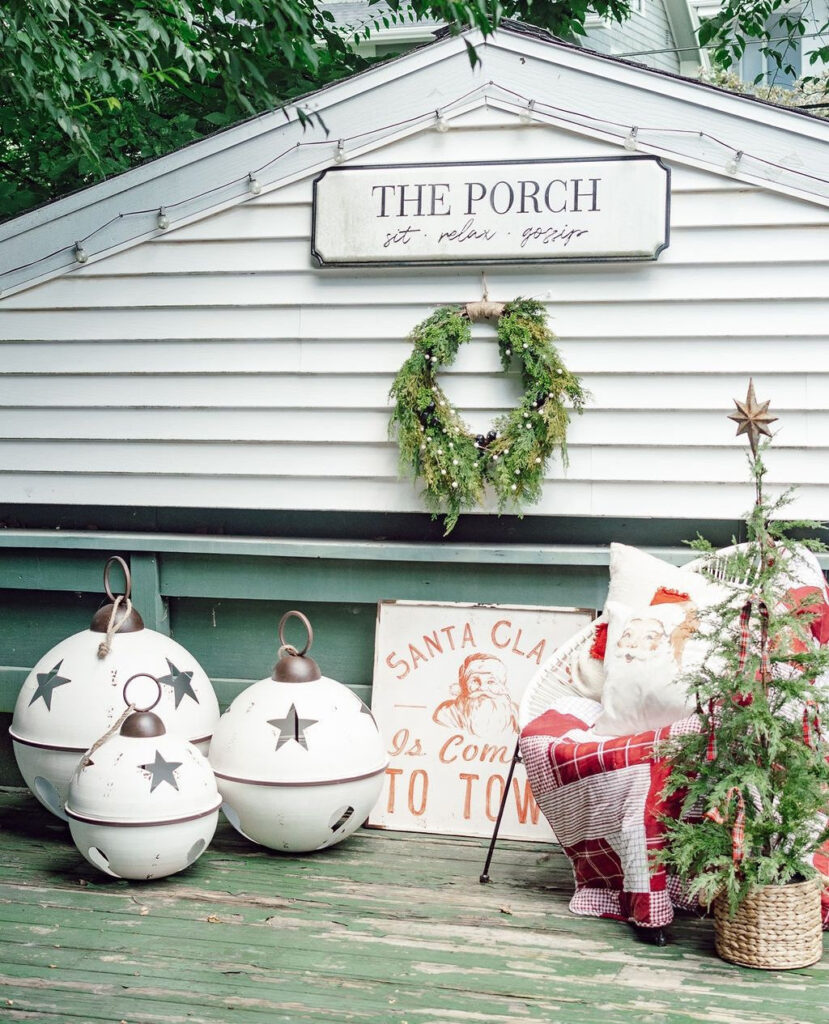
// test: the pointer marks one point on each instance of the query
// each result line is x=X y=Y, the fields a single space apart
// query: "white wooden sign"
x=447 y=682
x=597 y=209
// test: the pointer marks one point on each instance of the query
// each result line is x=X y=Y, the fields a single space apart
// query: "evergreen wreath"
x=436 y=444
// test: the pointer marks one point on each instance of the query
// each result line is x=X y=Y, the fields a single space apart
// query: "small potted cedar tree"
x=753 y=784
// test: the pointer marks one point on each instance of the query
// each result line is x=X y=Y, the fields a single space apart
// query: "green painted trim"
x=12 y=678
x=514 y=554
x=146 y=592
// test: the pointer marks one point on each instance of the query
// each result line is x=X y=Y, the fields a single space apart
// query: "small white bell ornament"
x=142 y=803
x=73 y=694
x=298 y=758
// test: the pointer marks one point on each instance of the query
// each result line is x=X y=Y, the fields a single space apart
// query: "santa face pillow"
x=637 y=578
x=649 y=649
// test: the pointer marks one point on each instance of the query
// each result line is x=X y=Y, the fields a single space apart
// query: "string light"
x=526 y=116
x=532 y=110
x=163 y=221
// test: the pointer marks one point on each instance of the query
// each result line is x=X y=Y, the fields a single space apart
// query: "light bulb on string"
x=163 y=221
x=80 y=253
x=254 y=185
x=734 y=162
x=441 y=124
x=630 y=139
x=339 y=156
x=526 y=116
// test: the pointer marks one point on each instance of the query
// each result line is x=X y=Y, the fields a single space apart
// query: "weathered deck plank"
x=385 y=928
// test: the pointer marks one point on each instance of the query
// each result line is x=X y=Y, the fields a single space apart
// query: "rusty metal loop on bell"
x=145 y=675
x=127 y=577
x=289 y=647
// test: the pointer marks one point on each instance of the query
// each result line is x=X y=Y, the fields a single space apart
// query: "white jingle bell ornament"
x=298 y=758
x=142 y=803
x=73 y=694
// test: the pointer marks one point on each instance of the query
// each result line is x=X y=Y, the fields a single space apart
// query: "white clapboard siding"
x=215 y=366
x=678 y=463
x=569 y=287
x=698 y=244
x=665 y=354
x=605 y=428
x=691 y=318
x=360 y=391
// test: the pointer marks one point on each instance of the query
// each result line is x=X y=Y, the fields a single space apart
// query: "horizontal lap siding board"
x=646 y=32
x=214 y=366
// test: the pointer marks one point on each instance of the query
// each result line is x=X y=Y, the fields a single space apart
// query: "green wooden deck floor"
x=383 y=928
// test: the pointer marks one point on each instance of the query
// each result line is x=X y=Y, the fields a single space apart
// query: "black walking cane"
x=516 y=757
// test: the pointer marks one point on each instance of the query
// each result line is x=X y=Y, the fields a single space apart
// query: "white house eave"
x=515 y=67
x=664 y=84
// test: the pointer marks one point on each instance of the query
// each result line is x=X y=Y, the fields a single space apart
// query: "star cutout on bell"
x=47 y=682
x=162 y=771
x=180 y=682
x=366 y=710
x=752 y=417
x=292 y=727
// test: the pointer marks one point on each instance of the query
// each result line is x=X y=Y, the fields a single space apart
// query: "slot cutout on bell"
x=342 y=819
x=100 y=860
x=195 y=851
x=49 y=796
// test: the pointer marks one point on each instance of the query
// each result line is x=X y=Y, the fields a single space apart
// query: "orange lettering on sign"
x=444 y=755
x=495 y=639
x=525 y=805
x=392 y=772
x=449 y=630
x=415 y=655
x=390 y=661
x=417 y=810
x=492 y=805
x=515 y=648
x=467 y=800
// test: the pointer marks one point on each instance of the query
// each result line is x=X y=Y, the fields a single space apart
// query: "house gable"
x=591 y=95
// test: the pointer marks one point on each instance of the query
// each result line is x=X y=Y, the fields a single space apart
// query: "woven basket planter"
x=777 y=927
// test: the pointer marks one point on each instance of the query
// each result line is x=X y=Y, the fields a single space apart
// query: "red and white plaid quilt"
x=603 y=798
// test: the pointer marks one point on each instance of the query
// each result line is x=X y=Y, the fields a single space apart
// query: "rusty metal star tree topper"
x=752 y=418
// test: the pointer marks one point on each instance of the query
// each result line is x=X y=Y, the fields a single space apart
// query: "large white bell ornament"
x=73 y=694
x=142 y=802
x=298 y=758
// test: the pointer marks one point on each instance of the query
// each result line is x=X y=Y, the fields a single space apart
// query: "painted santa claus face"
x=641 y=638
x=488 y=678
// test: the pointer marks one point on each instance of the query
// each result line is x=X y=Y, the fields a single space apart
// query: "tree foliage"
x=89 y=88
x=779 y=27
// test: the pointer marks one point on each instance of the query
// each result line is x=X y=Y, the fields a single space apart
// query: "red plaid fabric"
x=745 y=637
x=604 y=800
x=738 y=829
x=711 y=750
